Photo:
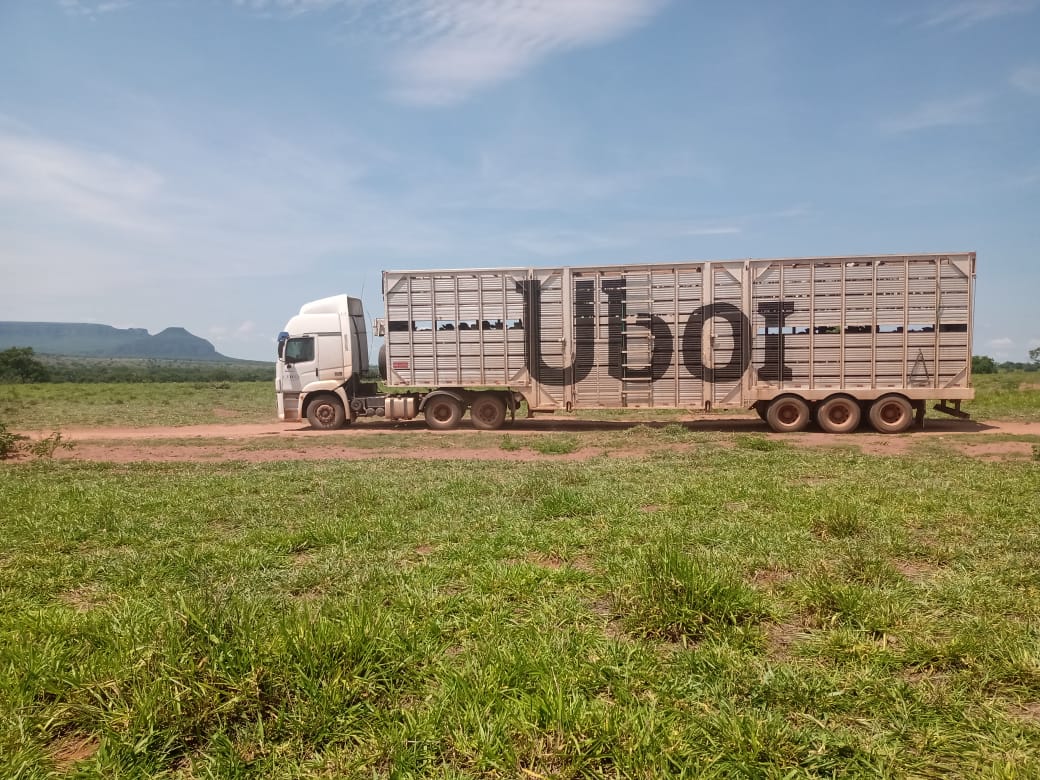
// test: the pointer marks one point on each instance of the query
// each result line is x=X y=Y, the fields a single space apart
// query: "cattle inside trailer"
x=836 y=339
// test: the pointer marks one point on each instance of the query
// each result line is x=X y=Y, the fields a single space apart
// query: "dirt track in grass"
x=586 y=439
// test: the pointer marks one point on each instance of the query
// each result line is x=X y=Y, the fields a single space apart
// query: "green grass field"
x=135 y=404
x=1013 y=395
x=729 y=612
x=737 y=607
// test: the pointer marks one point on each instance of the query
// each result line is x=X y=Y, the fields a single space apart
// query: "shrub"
x=12 y=443
x=18 y=364
x=9 y=442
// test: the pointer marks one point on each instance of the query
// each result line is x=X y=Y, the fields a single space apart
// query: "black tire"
x=382 y=362
x=325 y=412
x=891 y=414
x=761 y=408
x=488 y=411
x=838 y=414
x=443 y=413
x=788 y=414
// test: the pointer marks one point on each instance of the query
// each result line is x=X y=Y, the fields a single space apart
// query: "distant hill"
x=90 y=340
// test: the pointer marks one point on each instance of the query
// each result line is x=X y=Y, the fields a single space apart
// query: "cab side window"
x=299 y=350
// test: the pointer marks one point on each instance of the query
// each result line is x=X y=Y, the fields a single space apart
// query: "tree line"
x=984 y=364
x=21 y=365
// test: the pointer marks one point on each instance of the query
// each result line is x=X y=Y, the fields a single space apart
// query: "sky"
x=215 y=164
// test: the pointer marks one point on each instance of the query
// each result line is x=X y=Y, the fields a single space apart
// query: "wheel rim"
x=788 y=414
x=442 y=412
x=486 y=412
x=838 y=414
x=891 y=413
x=325 y=414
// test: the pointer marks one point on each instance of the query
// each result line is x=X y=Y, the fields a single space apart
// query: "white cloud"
x=564 y=243
x=968 y=110
x=453 y=49
x=967 y=13
x=92 y=8
x=242 y=332
x=710 y=230
x=289 y=7
x=1027 y=79
x=76 y=183
x=623 y=234
x=1001 y=348
x=792 y=212
x=443 y=51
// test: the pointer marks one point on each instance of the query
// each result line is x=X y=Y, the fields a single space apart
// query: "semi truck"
x=835 y=341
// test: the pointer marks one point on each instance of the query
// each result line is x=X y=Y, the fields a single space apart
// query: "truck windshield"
x=299 y=350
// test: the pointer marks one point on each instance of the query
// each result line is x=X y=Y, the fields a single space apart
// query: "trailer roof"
x=679 y=263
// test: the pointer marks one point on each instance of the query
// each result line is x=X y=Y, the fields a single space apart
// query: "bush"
x=13 y=443
x=983 y=364
x=18 y=364
x=9 y=442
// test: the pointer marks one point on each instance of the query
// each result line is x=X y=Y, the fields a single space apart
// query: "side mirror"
x=379 y=326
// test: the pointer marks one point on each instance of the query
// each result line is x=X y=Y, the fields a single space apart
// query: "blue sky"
x=214 y=164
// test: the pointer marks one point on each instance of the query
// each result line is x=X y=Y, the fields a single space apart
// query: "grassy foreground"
x=773 y=613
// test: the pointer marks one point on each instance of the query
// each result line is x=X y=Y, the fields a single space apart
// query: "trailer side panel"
x=688 y=335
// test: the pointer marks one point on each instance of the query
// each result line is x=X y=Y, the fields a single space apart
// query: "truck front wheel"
x=443 y=413
x=488 y=411
x=326 y=413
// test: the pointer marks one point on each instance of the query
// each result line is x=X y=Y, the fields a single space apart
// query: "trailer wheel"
x=788 y=414
x=326 y=413
x=443 y=413
x=761 y=408
x=838 y=414
x=891 y=414
x=488 y=411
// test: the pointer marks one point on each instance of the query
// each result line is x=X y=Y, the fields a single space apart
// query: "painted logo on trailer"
x=399 y=364
x=664 y=341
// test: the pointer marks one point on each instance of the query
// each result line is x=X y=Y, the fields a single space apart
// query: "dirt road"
x=590 y=438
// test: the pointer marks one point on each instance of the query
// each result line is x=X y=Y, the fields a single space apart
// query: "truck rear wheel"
x=488 y=411
x=443 y=413
x=326 y=413
x=891 y=414
x=788 y=414
x=838 y=414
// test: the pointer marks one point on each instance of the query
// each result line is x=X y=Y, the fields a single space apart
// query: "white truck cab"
x=322 y=351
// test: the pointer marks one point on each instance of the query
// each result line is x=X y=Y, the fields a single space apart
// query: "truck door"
x=299 y=363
